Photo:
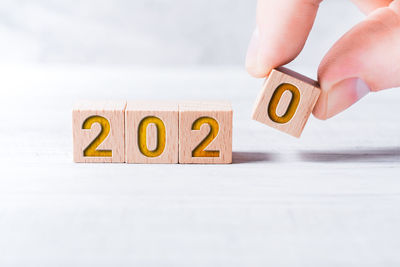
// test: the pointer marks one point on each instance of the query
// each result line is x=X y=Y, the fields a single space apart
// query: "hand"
x=365 y=59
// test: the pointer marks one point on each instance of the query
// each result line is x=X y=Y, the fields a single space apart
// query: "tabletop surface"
x=330 y=198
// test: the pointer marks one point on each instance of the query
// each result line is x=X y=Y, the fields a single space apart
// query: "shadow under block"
x=98 y=131
x=286 y=101
x=151 y=132
x=205 y=132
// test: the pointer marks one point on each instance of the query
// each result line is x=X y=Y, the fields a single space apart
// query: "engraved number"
x=292 y=107
x=142 y=137
x=200 y=151
x=91 y=150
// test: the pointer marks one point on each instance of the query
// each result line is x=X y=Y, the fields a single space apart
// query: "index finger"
x=282 y=30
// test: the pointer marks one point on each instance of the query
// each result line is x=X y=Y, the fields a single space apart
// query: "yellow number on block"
x=91 y=150
x=200 y=151
x=142 y=137
x=292 y=107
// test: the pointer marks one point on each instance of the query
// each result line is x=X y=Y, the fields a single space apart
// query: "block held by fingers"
x=286 y=101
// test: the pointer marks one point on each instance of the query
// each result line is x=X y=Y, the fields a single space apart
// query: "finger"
x=395 y=6
x=367 y=6
x=282 y=30
x=365 y=59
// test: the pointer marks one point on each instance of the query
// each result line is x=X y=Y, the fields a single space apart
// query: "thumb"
x=365 y=59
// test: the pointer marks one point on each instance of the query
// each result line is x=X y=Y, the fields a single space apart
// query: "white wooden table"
x=331 y=198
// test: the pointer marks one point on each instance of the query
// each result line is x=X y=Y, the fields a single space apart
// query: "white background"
x=148 y=32
x=331 y=198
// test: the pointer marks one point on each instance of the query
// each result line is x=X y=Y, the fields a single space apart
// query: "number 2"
x=200 y=151
x=91 y=150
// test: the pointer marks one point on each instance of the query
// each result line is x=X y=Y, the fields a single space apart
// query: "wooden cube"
x=205 y=132
x=286 y=101
x=98 y=131
x=151 y=132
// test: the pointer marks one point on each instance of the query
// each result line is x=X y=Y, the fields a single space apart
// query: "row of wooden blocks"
x=191 y=132
x=153 y=132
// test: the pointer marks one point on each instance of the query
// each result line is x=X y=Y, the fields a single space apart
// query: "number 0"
x=276 y=97
x=91 y=150
x=142 y=137
x=200 y=151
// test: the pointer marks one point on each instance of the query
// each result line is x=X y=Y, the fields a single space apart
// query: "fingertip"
x=255 y=64
x=339 y=97
x=319 y=110
x=257 y=72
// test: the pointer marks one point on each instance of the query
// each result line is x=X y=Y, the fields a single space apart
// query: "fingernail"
x=252 y=52
x=344 y=94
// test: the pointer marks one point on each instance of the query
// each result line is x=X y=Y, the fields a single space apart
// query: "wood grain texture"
x=135 y=113
x=189 y=139
x=309 y=93
x=114 y=112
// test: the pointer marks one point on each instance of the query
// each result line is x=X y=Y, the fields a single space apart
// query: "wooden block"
x=286 y=101
x=205 y=132
x=98 y=131
x=151 y=132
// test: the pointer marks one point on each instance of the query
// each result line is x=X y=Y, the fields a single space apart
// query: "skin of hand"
x=366 y=59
